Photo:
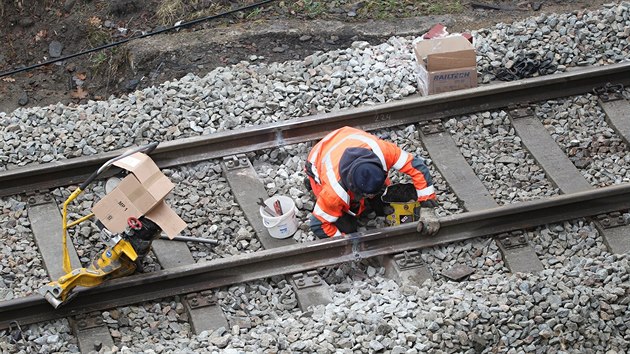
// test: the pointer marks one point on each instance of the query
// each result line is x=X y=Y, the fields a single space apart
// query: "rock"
x=376 y=346
x=54 y=49
x=68 y=5
x=122 y=7
x=26 y=22
x=23 y=99
x=131 y=85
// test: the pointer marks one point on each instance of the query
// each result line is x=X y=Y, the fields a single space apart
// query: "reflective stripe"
x=318 y=211
x=315 y=174
x=426 y=191
x=401 y=160
x=332 y=178
x=373 y=145
x=338 y=233
x=315 y=155
x=313 y=167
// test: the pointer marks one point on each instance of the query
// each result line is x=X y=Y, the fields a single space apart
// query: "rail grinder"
x=121 y=257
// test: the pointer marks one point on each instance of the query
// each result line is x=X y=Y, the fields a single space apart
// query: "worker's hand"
x=428 y=224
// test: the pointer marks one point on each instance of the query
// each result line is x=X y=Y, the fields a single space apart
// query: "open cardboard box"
x=446 y=64
x=141 y=192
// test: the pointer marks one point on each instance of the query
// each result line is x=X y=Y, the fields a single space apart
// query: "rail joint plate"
x=609 y=92
x=433 y=126
x=235 y=162
x=408 y=260
x=88 y=321
x=612 y=220
x=201 y=299
x=307 y=280
x=39 y=197
x=520 y=111
x=512 y=240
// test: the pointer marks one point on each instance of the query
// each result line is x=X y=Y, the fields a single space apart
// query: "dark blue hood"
x=354 y=157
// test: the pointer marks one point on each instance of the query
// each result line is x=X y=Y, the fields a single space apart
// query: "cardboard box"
x=445 y=64
x=140 y=193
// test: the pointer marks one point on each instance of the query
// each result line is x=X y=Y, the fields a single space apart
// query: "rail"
x=311 y=255
x=409 y=111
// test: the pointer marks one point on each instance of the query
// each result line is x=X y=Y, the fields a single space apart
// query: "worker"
x=347 y=171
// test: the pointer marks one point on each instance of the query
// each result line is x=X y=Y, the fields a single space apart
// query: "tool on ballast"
x=404 y=207
x=403 y=201
x=190 y=239
x=130 y=217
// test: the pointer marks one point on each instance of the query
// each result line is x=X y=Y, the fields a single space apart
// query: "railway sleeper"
x=559 y=169
x=91 y=331
x=617 y=111
x=614 y=228
x=310 y=289
x=406 y=268
x=518 y=254
x=203 y=312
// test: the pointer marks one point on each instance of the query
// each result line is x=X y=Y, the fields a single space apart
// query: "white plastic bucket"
x=280 y=226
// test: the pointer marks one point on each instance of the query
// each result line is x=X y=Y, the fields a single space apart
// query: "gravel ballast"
x=579 y=303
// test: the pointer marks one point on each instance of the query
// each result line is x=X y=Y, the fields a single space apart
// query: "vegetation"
x=170 y=11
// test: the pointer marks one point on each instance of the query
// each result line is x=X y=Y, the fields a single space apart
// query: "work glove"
x=428 y=224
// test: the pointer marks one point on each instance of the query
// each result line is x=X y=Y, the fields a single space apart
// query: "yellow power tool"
x=403 y=202
x=122 y=256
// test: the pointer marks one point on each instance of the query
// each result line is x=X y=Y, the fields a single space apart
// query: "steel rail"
x=311 y=255
x=252 y=138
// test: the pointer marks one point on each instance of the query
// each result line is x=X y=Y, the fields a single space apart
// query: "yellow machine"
x=403 y=202
x=121 y=257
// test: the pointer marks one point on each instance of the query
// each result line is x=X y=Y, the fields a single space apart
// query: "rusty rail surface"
x=408 y=111
x=311 y=255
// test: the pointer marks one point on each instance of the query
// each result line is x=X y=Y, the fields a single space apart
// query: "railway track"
x=482 y=214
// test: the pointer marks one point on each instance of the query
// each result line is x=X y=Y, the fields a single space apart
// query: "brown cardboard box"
x=446 y=64
x=140 y=193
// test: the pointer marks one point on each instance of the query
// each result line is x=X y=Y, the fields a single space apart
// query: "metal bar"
x=190 y=239
x=409 y=111
x=306 y=256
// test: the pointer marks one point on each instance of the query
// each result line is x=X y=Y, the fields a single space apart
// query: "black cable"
x=105 y=46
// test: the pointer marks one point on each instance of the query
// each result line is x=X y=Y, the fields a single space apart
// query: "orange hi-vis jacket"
x=324 y=167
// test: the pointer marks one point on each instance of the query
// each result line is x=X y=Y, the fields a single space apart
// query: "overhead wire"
x=114 y=44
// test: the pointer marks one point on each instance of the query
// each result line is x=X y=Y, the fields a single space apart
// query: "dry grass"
x=385 y=9
x=169 y=11
x=213 y=9
x=110 y=63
